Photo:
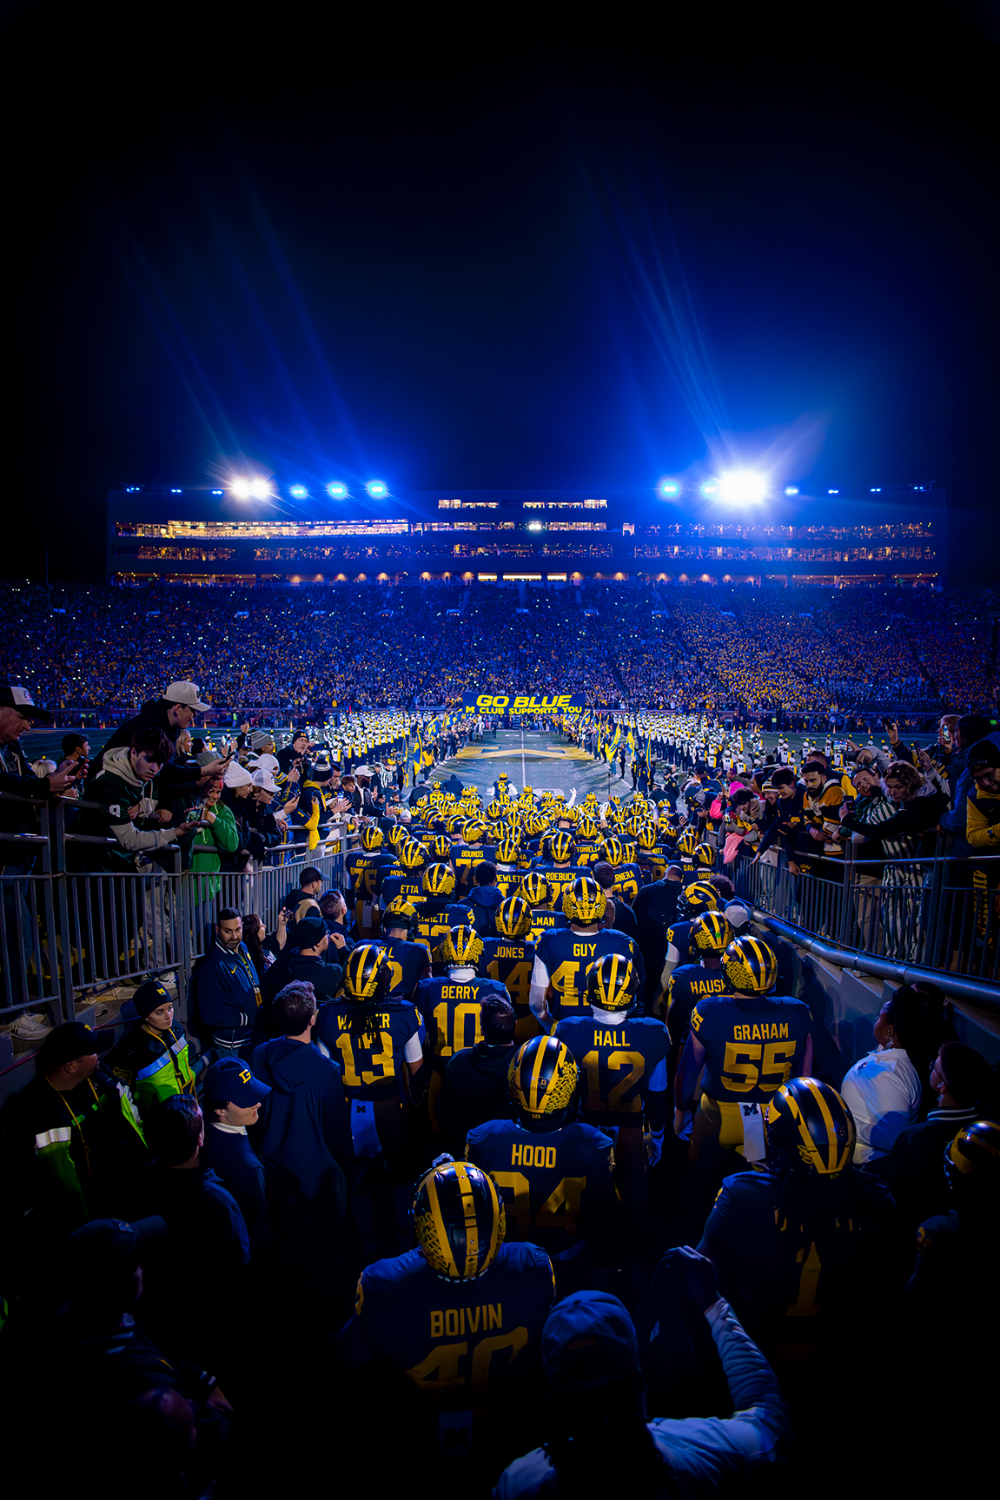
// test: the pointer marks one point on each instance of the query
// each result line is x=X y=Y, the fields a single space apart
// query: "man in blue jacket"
x=303 y=1135
x=226 y=988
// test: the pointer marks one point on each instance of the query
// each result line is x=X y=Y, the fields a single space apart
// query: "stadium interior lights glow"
x=377 y=489
x=742 y=487
x=336 y=490
x=668 y=488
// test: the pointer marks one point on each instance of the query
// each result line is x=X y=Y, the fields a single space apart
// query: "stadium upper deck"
x=886 y=535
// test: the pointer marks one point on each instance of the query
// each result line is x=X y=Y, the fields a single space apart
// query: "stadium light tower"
x=337 y=490
x=377 y=489
x=742 y=487
x=668 y=489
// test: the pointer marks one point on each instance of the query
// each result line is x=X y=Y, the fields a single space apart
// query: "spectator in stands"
x=982 y=828
x=474 y=1087
x=969 y=731
x=216 y=837
x=237 y=786
x=226 y=987
x=883 y=1090
x=961 y=1079
x=127 y=793
x=171 y=714
x=232 y=1100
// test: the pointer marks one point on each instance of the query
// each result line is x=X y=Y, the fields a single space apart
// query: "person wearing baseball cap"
x=591 y=1358
x=152 y=1056
x=70 y=1134
x=311 y=939
x=172 y=713
x=232 y=1097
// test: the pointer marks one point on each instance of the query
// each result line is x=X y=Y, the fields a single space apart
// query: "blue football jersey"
x=510 y=962
x=365 y=871
x=687 y=986
x=787 y=1282
x=628 y=880
x=450 y=1012
x=623 y=1068
x=566 y=957
x=371 y=1062
x=408 y=884
x=461 y=1343
x=752 y=1046
x=408 y=962
x=554 y=1183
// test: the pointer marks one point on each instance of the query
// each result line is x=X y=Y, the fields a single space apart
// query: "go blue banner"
x=506 y=703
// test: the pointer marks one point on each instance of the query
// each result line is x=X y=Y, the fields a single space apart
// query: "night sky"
x=469 y=251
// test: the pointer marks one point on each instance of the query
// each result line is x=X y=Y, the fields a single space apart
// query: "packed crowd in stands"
x=375 y=645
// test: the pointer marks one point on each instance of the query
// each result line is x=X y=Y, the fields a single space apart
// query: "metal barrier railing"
x=66 y=935
x=942 y=912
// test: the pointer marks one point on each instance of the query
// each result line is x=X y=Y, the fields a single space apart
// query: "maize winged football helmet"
x=750 y=966
x=542 y=1083
x=461 y=947
x=611 y=983
x=513 y=917
x=809 y=1129
x=458 y=1220
x=367 y=974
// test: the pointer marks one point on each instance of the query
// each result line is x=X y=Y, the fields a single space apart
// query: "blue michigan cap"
x=231 y=1079
x=589 y=1341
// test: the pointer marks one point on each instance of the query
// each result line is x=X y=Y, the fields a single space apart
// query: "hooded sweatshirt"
x=117 y=789
x=303 y=1134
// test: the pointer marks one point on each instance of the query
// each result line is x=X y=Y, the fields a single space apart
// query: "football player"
x=536 y=891
x=410 y=864
x=690 y=983
x=363 y=871
x=628 y=876
x=378 y=1043
x=744 y=1047
x=409 y=961
x=555 y=1174
x=470 y=853
x=623 y=1063
x=509 y=958
x=797 y=1245
x=460 y=1316
x=562 y=956
x=449 y=1003
x=695 y=898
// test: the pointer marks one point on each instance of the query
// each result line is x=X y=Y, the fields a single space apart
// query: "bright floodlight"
x=709 y=487
x=260 y=489
x=298 y=491
x=376 y=489
x=337 y=490
x=241 y=489
x=791 y=489
x=669 y=487
x=742 y=487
